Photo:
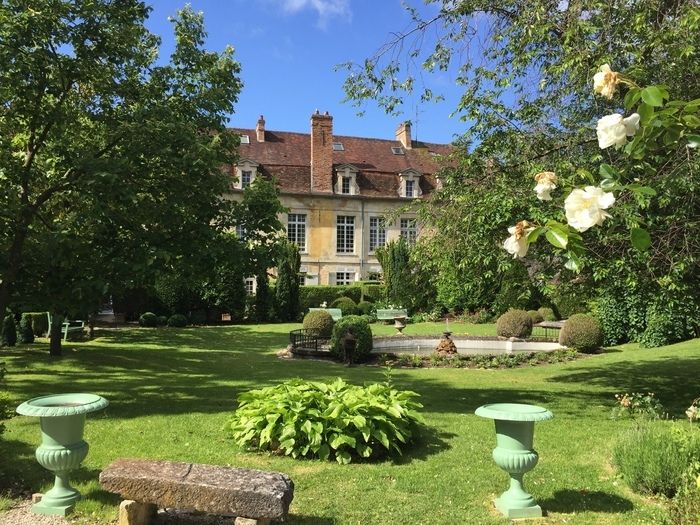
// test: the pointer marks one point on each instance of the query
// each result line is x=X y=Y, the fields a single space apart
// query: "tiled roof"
x=286 y=156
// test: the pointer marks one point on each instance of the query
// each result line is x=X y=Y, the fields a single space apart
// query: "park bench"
x=254 y=497
x=336 y=313
x=69 y=327
x=550 y=328
x=391 y=314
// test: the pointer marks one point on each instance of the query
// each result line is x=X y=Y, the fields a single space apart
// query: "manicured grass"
x=172 y=391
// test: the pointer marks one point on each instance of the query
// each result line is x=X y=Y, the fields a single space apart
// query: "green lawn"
x=172 y=391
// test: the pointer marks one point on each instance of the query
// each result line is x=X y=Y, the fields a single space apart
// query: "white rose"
x=517 y=244
x=613 y=130
x=584 y=208
x=605 y=81
x=546 y=183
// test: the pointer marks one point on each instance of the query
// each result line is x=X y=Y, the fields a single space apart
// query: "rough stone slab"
x=206 y=488
x=249 y=521
x=136 y=513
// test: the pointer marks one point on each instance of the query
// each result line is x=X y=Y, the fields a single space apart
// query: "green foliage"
x=365 y=308
x=9 y=331
x=40 y=323
x=667 y=324
x=653 y=458
x=638 y=406
x=613 y=317
x=198 y=317
x=346 y=305
x=5 y=411
x=582 y=332
x=371 y=292
x=26 y=334
x=263 y=297
x=536 y=316
x=406 y=281
x=497 y=361
x=314 y=296
x=515 y=290
x=354 y=327
x=547 y=313
x=287 y=287
x=570 y=299
x=685 y=507
x=321 y=321
x=308 y=419
x=177 y=321
x=353 y=291
x=514 y=323
x=161 y=320
x=148 y=319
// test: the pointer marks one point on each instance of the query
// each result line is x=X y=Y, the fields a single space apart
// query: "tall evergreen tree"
x=287 y=288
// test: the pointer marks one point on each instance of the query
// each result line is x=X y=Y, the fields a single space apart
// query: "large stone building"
x=338 y=190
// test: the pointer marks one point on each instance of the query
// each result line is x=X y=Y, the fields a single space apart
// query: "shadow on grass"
x=428 y=441
x=295 y=519
x=570 y=501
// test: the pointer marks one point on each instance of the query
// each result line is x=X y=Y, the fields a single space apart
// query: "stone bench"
x=391 y=314
x=255 y=497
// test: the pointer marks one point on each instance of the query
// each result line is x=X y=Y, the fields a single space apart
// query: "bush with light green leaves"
x=310 y=419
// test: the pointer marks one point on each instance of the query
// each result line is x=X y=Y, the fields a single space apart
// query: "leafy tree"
x=110 y=159
x=527 y=71
x=406 y=283
x=9 y=331
x=287 y=287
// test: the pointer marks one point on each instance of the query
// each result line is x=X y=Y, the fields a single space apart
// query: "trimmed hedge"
x=536 y=316
x=346 y=305
x=148 y=320
x=177 y=321
x=547 y=314
x=359 y=328
x=365 y=308
x=514 y=323
x=40 y=323
x=26 y=334
x=581 y=332
x=320 y=321
x=313 y=296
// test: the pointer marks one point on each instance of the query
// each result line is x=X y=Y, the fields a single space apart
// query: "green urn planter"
x=62 y=448
x=515 y=429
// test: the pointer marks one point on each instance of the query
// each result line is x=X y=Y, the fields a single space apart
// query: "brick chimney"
x=321 y=152
x=403 y=134
x=260 y=129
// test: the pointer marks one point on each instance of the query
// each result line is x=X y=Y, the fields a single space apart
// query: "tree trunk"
x=56 y=334
x=91 y=326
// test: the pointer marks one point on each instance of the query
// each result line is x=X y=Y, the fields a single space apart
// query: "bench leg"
x=251 y=521
x=136 y=513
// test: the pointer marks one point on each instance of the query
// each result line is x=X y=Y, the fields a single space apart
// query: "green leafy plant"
x=148 y=319
x=177 y=321
x=514 y=323
x=320 y=321
x=346 y=305
x=536 y=316
x=685 y=506
x=162 y=320
x=351 y=327
x=582 y=332
x=365 y=308
x=547 y=313
x=26 y=334
x=310 y=419
x=638 y=405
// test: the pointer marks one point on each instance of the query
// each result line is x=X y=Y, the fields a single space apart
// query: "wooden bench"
x=390 y=315
x=336 y=313
x=255 y=497
x=69 y=327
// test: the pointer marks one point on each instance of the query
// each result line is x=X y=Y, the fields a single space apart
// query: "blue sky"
x=288 y=50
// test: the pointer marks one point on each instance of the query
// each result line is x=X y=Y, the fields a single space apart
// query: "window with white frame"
x=346 y=180
x=345 y=234
x=240 y=232
x=409 y=188
x=250 y=285
x=345 y=185
x=409 y=230
x=409 y=184
x=344 y=278
x=245 y=173
x=246 y=178
x=296 y=229
x=377 y=233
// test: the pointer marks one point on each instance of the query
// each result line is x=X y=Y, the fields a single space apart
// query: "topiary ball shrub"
x=365 y=308
x=581 y=332
x=309 y=419
x=514 y=323
x=653 y=458
x=9 y=331
x=536 y=316
x=148 y=320
x=346 y=305
x=26 y=333
x=162 y=320
x=198 y=317
x=177 y=321
x=351 y=327
x=321 y=321
x=547 y=314
x=40 y=323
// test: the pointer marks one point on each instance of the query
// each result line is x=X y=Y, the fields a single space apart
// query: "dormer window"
x=397 y=151
x=245 y=139
x=409 y=184
x=346 y=180
x=246 y=171
x=337 y=146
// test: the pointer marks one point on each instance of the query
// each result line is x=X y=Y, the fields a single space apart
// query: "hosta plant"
x=310 y=419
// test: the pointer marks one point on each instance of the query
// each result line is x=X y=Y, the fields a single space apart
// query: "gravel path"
x=22 y=515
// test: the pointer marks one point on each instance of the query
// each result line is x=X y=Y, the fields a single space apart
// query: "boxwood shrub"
x=177 y=321
x=148 y=320
x=582 y=332
x=9 y=331
x=321 y=321
x=309 y=419
x=536 y=316
x=26 y=334
x=547 y=313
x=346 y=305
x=365 y=308
x=40 y=323
x=357 y=327
x=514 y=323
x=313 y=296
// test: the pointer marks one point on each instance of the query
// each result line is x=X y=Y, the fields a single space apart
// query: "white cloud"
x=326 y=9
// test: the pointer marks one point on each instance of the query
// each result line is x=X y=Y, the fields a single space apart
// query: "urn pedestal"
x=514 y=453
x=62 y=449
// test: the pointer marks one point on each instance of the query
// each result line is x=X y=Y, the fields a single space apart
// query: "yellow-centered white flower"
x=585 y=207
x=546 y=183
x=605 y=81
x=613 y=130
x=517 y=243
